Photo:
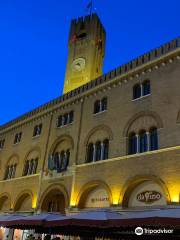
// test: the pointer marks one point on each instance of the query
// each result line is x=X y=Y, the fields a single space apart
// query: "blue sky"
x=33 y=43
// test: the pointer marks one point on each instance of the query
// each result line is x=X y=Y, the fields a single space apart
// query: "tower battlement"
x=86 y=51
x=89 y=20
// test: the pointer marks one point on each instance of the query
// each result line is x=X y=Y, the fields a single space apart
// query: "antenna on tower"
x=89 y=7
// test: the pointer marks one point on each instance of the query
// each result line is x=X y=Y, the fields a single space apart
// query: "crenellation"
x=173 y=45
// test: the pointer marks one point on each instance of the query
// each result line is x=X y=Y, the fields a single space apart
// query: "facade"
x=110 y=140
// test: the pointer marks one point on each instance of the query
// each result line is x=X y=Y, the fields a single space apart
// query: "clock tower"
x=86 y=49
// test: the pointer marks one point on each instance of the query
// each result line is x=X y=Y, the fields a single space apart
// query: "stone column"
x=137 y=143
x=94 y=152
x=141 y=90
x=102 y=150
x=148 y=141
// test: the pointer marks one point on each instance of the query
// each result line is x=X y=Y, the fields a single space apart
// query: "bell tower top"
x=86 y=47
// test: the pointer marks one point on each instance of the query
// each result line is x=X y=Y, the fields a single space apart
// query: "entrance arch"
x=145 y=192
x=54 y=199
x=24 y=202
x=5 y=203
x=95 y=195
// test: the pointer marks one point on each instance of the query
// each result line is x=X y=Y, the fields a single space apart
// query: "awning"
x=99 y=222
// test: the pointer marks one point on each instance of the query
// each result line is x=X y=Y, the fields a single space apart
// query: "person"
x=47 y=237
x=30 y=237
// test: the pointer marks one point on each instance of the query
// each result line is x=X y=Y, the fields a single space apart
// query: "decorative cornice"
x=118 y=76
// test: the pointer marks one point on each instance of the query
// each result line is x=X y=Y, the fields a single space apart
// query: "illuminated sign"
x=149 y=196
x=99 y=199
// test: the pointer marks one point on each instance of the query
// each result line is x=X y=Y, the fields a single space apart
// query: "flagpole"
x=91 y=8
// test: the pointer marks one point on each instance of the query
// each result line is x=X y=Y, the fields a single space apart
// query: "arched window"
x=143 y=141
x=13 y=171
x=71 y=116
x=60 y=121
x=104 y=104
x=10 y=171
x=35 y=163
x=6 y=173
x=56 y=160
x=153 y=139
x=67 y=157
x=132 y=143
x=137 y=91
x=66 y=119
x=90 y=152
x=146 y=87
x=26 y=166
x=98 y=151
x=105 y=149
x=97 y=106
x=61 y=160
x=30 y=166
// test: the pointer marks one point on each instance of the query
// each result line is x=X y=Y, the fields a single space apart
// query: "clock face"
x=78 y=64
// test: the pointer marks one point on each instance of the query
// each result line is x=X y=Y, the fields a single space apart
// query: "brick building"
x=111 y=140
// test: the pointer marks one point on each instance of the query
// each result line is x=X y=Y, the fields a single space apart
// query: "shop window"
x=37 y=130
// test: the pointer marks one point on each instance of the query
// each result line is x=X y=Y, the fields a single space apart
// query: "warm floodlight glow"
x=175 y=198
x=115 y=199
x=34 y=202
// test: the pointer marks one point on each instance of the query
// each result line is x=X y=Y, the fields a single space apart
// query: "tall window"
x=2 y=143
x=105 y=149
x=146 y=88
x=132 y=143
x=60 y=161
x=65 y=119
x=137 y=91
x=30 y=167
x=98 y=151
x=17 y=137
x=10 y=171
x=153 y=139
x=104 y=104
x=90 y=151
x=143 y=141
x=100 y=105
x=97 y=106
x=141 y=90
x=37 y=130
